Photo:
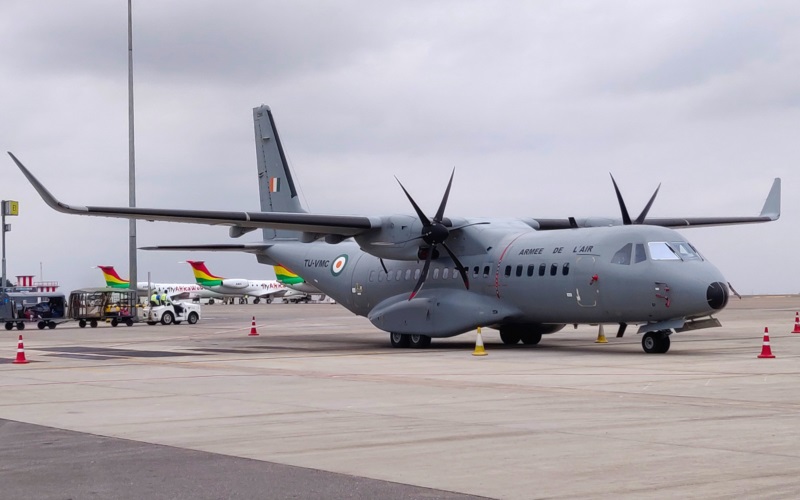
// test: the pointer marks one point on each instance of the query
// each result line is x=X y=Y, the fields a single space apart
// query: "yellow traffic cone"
x=479 y=350
x=601 y=337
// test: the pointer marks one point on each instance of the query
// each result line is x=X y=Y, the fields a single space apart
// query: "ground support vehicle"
x=45 y=309
x=90 y=306
x=172 y=312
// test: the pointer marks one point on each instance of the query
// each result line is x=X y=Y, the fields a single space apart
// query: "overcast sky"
x=533 y=103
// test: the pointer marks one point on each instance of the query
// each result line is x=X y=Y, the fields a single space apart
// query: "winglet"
x=44 y=193
x=772 y=205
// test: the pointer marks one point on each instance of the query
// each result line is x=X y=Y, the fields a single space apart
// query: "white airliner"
x=260 y=289
x=175 y=290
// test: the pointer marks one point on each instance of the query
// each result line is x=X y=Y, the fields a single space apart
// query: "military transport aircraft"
x=420 y=276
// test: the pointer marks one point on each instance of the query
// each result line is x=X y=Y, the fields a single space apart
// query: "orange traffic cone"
x=766 y=351
x=796 y=323
x=20 y=353
x=253 y=331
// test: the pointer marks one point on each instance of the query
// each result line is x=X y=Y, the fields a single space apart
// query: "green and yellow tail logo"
x=287 y=277
x=202 y=275
x=112 y=278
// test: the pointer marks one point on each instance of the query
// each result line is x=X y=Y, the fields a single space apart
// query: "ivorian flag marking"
x=274 y=184
x=338 y=264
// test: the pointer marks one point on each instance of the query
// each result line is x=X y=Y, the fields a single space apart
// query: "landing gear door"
x=586 y=281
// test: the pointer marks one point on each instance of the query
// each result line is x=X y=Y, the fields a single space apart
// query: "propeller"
x=626 y=219
x=435 y=233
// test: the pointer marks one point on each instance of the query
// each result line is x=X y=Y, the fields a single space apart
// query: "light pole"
x=9 y=208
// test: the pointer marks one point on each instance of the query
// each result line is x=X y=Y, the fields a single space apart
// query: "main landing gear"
x=656 y=342
x=412 y=340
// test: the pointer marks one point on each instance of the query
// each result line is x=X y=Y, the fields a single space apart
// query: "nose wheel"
x=656 y=342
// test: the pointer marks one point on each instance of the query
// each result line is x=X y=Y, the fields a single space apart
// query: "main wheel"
x=531 y=338
x=210 y=302
x=82 y=323
x=41 y=325
x=167 y=318
x=268 y=300
x=655 y=342
x=510 y=337
x=399 y=339
x=256 y=300
x=192 y=318
x=419 y=341
x=93 y=323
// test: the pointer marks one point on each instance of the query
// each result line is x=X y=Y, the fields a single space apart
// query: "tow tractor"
x=173 y=312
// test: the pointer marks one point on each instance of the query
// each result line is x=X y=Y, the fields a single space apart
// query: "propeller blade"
x=423 y=275
x=420 y=214
x=440 y=213
x=384 y=266
x=459 y=265
x=626 y=219
x=640 y=219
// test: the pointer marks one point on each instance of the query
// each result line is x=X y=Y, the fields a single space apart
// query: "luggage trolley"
x=92 y=305
x=46 y=309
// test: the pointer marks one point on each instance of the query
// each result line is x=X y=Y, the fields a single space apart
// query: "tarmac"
x=319 y=405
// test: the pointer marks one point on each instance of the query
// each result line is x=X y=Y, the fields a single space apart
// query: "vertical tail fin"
x=112 y=278
x=275 y=183
x=202 y=275
x=287 y=277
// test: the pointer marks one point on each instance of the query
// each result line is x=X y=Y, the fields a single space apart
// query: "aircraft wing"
x=771 y=211
x=345 y=225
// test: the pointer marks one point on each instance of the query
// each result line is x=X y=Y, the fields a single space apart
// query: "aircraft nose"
x=717 y=295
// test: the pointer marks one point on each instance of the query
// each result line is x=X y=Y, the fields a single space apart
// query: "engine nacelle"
x=386 y=243
x=235 y=283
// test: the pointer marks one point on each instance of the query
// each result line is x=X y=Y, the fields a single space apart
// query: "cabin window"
x=380 y=276
x=485 y=271
x=436 y=273
x=508 y=270
x=565 y=269
x=623 y=255
x=475 y=271
x=660 y=250
x=455 y=272
x=445 y=273
x=408 y=274
x=398 y=275
x=530 y=270
x=389 y=276
x=542 y=268
x=417 y=273
x=372 y=276
x=639 y=255
x=519 y=270
x=553 y=269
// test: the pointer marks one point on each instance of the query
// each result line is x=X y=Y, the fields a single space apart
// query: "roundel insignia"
x=338 y=265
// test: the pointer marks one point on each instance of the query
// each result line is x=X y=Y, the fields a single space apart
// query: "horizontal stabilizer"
x=222 y=247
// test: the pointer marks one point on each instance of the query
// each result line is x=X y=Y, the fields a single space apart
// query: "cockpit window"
x=685 y=250
x=639 y=256
x=660 y=250
x=623 y=255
